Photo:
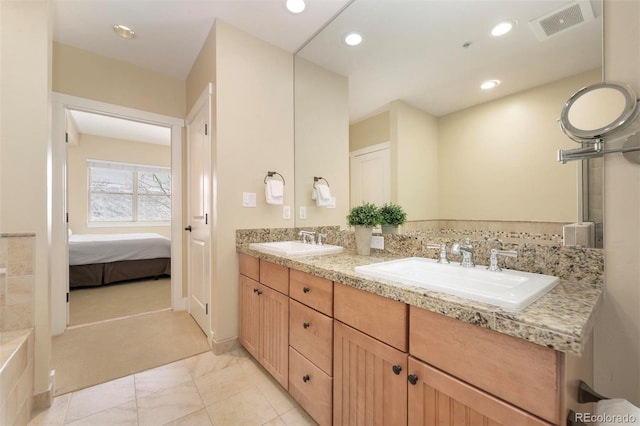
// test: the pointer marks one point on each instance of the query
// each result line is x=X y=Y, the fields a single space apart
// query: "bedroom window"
x=123 y=192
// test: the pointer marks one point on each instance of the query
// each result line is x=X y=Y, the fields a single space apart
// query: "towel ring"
x=271 y=174
x=317 y=178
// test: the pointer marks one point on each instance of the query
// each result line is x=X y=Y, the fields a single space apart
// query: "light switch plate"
x=248 y=199
x=377 y=242
x=286 y=212
x=302 y=214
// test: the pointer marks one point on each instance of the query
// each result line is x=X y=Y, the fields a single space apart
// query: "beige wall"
x=252 y=134
x=494 y=166
x=92 y=147
x=85 y=74
x=617 y=332
x=414 y=161
x=371 y=131
x=322 y=142
x=25 y=79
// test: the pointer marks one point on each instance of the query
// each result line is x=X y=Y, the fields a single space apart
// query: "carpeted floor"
x=92 y=304
x=94 y=354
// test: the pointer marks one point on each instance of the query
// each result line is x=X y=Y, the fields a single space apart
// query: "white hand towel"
x=615 y=412
x=323 y=195
x=274 y=192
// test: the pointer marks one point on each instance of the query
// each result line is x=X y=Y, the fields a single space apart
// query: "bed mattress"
x=85 y=249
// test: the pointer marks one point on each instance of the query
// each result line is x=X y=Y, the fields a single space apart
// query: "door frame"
x=58 y=239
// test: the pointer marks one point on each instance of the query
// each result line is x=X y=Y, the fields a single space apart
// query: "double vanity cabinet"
x=349 y=356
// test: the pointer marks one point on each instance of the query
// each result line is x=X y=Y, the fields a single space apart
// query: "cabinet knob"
x=259 y=292
x=413 y=379
x=396 y=369
x=306 y=378
x=306 y=289
x=306 y=324
x=255 y=290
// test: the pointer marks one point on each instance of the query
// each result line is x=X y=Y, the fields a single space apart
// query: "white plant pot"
x=363 y=240
x=389 y=229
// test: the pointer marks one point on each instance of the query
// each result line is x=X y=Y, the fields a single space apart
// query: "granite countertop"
x=561 y=319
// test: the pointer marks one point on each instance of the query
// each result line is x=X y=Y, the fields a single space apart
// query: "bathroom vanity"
x=357 y=350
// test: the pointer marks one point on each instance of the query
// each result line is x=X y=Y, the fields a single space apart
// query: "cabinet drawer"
x=249 y=266
x=311 y=334
x=312 y=291
x=274 y=276
x=379 y=317
x=310 y=387
x=520 y=372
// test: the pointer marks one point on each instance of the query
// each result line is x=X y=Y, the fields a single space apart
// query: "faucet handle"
x=493 y=259
x=320 y=237
x=443 y=252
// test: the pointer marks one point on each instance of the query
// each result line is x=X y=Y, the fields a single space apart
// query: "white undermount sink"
x=508 y=289
x=295 y=248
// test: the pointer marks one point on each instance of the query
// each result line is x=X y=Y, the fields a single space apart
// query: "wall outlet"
x=248 y=199
x=286 y=212
x=303 y=212
x=377 y=242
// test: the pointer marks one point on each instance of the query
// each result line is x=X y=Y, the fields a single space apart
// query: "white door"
x=371 y=175
x=199 y=212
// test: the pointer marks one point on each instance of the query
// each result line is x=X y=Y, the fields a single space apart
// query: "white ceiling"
x=170 y=33
x=119 y=128
x=413 y=51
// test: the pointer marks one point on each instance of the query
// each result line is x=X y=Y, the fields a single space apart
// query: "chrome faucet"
x=310 y=234
x=443 y=252
x=467 y=253
x=320 y=239
x=493 y=259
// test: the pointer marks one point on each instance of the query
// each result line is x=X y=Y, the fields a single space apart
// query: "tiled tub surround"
x=16 y=328
x=16 y=281
x=562 y=319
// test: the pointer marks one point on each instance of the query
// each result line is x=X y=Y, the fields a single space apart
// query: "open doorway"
x=119 y=215
x=111 y=167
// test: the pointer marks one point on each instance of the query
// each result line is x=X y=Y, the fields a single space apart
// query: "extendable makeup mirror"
x=597 y=114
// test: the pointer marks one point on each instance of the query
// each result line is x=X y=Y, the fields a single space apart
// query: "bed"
x=98 y=259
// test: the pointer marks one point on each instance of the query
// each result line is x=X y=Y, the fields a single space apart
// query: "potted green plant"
x=391 y=216
x=364 y=218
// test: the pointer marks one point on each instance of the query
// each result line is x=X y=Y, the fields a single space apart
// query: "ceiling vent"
x=561 y=19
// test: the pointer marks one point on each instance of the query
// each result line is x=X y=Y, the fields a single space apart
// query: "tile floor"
x=228 y=389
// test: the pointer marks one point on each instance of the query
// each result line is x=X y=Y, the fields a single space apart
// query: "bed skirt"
x=106 y=273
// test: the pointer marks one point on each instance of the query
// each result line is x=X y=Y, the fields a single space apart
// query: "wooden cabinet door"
x=369 y=380
x=249 y=315
x=274 y=334
x=437 y=399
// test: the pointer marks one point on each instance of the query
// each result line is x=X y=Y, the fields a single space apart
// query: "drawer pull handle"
x=306 y=289
x=306 y=378
x=413 y=379
x=396 y=369
x=306 y=324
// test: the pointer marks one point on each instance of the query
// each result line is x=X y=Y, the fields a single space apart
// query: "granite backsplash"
x=542 y=254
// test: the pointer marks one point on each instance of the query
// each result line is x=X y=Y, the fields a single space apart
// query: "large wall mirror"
x=402 y=116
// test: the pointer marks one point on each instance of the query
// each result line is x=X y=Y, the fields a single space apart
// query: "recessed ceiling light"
x=353 y=39
x=124 y=32
x=489 y=84
x=502 y=28
x=295 y=6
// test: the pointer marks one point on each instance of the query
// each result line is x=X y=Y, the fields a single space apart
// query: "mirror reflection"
x=401 y=117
